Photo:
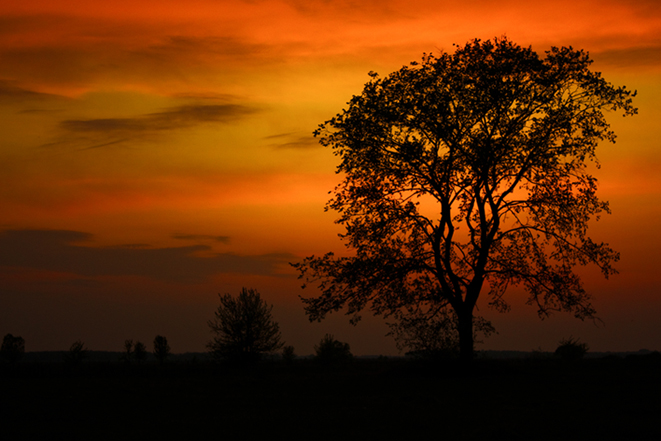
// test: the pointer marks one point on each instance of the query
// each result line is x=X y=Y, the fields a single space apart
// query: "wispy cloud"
x=72 y=252
x=638 y=57
x=10 y=91
x=201 y=237
x=292 y=141
x=175 y=118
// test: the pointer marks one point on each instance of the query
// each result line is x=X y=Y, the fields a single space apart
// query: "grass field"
x=527 y=399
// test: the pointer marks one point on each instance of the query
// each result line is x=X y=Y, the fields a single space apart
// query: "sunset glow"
x=156 y=153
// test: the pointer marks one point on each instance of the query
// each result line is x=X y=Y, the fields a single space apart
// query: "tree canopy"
x=465 y=173
x=243 y=327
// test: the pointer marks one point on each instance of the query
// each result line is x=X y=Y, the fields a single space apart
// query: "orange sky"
x=156 y=153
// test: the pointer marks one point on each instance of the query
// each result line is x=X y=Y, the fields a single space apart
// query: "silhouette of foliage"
x=571 y=349
x=161 y=349
x=76 y=354
x=330 y=351
x=127 y=355
x=464 y=173
x=288 y=354
x=140 y=351
x=243 y=328
x=434 y=336
x=12 y=348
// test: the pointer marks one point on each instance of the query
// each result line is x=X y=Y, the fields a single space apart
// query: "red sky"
x=156 y=153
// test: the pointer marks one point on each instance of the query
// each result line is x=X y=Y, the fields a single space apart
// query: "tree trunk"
x=465 y=317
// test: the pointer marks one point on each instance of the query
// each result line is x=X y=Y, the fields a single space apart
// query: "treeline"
x=244 y=332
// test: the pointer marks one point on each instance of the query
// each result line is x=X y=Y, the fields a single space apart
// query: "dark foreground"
x=367 y=399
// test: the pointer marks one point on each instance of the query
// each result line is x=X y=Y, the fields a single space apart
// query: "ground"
x=526 y=399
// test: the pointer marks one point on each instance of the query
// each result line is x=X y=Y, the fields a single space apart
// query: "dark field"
x=528 y=399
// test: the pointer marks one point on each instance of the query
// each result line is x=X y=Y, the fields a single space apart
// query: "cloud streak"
x=10 y=91
x=201 y=237
x=70 y=252
x=172 y=119
x=292 y=141
x=639 y=57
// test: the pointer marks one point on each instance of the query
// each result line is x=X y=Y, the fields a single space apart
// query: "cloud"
x=71 y=252
x=198 y=237
x=292 y=141
x=633 y=57
x=10 y=91
x=83 y=61
x=175 y=118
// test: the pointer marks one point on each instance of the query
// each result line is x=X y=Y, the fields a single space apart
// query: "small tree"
x=140 y=351
x=330 y=351
x=76 y=354
x=127 y=355
x=243 y=328
x=288 y=354
x=12 y=348
x=161 y=348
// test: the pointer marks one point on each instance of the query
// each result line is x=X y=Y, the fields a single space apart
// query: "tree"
x=330 y=351
x=468 y=173
x=76 y=354
x=243 y=327
x=12 y=348
x=161 y=348
x=288 y=354
x=140 y=351
x=127 y=355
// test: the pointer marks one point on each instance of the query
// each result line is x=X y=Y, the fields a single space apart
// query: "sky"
x=155 y=154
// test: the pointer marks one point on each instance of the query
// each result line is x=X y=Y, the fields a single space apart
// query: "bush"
x=433 y=334
x=571 y=349
x=12 y=348
x=330 y=351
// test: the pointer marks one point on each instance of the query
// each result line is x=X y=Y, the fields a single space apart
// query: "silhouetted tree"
x=466 y=173
x=76 y=354
x=140 y=351
x=288 y=354
x=243 y=328
x=12 y=348
x=330 y=351
x=571 y=349
x=161 y=348
x=127 y=355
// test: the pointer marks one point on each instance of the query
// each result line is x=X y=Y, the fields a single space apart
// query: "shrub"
x=12 y=348
x=331 y=351
x=571 y=349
